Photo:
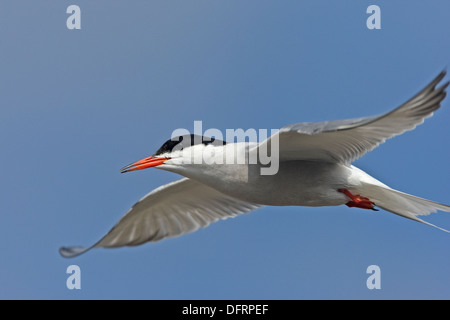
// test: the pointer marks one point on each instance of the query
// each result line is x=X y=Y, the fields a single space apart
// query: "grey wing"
x=171 y=210
x=347 y=140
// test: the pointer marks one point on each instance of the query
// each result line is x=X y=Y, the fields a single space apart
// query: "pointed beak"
x=144 y=163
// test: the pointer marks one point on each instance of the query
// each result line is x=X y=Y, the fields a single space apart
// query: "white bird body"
x=313 y=169
x=305 y=183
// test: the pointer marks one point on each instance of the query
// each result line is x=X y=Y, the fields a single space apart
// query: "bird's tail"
x=404 y=204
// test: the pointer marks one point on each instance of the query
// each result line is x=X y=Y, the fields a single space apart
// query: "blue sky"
x=77 y=105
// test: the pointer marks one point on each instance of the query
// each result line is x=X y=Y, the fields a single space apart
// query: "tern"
x=314 y=170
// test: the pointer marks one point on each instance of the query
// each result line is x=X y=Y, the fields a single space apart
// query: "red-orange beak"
x=144 y=163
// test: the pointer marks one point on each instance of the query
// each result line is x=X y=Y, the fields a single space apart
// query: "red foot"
x=358 y=201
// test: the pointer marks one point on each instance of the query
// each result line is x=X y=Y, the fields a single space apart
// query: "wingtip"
x=439 y=78
x=71 y=252
x=443 y=73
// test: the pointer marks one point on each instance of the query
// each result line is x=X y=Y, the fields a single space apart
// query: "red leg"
x=358 y=201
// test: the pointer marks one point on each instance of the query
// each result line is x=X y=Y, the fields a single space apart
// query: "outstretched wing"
x=346 y=140
x=171 y=210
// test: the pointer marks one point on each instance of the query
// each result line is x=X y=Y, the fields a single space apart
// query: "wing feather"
x=171 y=210
x=346 y=140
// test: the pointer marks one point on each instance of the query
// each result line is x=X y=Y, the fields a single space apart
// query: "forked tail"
x=404 y=204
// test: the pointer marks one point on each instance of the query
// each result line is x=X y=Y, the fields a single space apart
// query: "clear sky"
x=77 y=105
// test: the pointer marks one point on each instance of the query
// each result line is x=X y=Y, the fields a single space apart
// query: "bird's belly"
x=299 y=183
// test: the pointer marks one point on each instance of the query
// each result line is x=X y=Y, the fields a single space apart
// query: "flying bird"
x=314 y=170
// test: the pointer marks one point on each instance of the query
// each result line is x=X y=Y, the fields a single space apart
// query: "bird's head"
x=176 y=152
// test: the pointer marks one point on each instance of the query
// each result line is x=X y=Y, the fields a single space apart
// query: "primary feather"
x=346 y=140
